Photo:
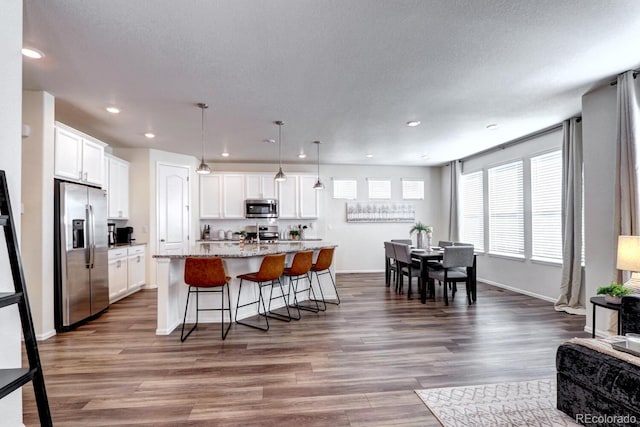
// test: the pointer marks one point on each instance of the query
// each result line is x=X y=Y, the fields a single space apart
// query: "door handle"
x=92 y=243
x=161 y=240
x=87 y=238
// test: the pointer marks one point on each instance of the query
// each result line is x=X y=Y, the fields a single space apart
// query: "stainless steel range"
x=265 y=232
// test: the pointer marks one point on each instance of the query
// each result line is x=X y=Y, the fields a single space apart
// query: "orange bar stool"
x=300 y=267
x=322 y=266
x=271 y=269
x=206 y=275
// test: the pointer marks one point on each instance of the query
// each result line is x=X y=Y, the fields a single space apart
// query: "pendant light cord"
x=280 y=145
x=202 y=107
x=318 y=144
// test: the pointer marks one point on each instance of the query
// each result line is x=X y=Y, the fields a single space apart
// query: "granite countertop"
x=232 y=249
x=126 y=245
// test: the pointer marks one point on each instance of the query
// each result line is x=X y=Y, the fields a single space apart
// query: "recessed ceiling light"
x=32 y=53
x=302 y=156
x=269 y=141
x=150 y=135
x=369 y=156
x=225 y=154
x=113 y=110
x=492 y=126
x=413 y=123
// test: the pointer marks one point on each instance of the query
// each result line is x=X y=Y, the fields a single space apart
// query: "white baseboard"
x=46 y=335
x=516 y=290
x=359 y=271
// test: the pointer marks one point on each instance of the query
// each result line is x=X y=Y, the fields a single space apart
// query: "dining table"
x=427 y=255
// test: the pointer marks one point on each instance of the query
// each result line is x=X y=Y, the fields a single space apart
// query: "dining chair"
x=444 y=243
x=390 y=265
x=455 y=257
x=206 y=275
x=406 y=267
x=403 y=241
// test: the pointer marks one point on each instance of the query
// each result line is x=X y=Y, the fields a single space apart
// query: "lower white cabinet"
x=126 y=271
x=135 y=267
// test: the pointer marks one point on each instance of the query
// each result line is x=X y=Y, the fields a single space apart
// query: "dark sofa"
x=595 y=388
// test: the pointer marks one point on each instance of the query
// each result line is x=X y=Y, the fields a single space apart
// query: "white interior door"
x=173 y=209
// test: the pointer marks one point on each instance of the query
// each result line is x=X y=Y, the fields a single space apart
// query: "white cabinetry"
x=233 y=195
x=308 y=197
x=127 y=271
x=222 y=196
x=210 y=196
x=117 y=273
x=260 y=187
x=297 y=197
x=135 y=267
x=78 y=157
x=288 y=197
x=117 y=180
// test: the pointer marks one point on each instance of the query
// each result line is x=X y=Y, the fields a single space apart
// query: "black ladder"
x=12 y=379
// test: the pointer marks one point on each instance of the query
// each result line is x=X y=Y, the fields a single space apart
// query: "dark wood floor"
x=357 y=364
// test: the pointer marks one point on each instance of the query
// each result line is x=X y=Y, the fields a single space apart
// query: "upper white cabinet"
x=260 y=186
x=288 y=197
x=233 y=195
x=117 y=180
x=223 y=195
x=309 y=205
x=211 y=196
x=297 y=197
x=78 y=157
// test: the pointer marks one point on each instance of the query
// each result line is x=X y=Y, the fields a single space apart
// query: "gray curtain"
x=627 y=161
x=571 y=297
x=454 y=205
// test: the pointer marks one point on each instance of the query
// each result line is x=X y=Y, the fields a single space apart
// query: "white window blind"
x=412 y=189
x=506 y=210
x=473 y=210
x=379 y=188
x=345 y=189
x=546 y=199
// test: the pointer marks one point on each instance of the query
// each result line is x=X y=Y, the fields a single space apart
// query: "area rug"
x=526 y=403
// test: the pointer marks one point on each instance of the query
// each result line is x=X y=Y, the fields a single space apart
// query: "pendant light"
x=318 y=185
x=204 y=168
x=280 y=176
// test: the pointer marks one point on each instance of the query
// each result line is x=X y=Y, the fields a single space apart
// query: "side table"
x=600 y=302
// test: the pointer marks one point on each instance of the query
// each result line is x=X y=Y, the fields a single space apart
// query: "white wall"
x=10 y=159
x=599 y=140
x=533 y=278
x=38 y=111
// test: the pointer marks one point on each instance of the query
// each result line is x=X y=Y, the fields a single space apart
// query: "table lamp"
x=629 y=258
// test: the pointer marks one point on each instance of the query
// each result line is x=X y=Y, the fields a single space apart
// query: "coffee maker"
x=111 y=227
x=124 y=235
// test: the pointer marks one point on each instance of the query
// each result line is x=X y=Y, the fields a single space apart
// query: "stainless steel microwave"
x=261 y=208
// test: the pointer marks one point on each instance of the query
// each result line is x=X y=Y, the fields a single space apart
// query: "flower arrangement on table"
x=614 y=292
x=421 y=228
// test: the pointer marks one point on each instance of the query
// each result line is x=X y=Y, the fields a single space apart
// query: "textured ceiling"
x=347 y=73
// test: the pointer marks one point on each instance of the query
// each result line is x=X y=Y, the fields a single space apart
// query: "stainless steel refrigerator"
x=81 y=258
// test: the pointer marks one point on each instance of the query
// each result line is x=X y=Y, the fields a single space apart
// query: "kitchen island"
x=238 y=259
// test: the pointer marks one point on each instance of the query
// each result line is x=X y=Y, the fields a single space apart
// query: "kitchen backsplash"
x=284 y=225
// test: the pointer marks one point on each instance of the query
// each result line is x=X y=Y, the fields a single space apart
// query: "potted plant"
x=294 y=234
x=420 y=228
x=613 y=293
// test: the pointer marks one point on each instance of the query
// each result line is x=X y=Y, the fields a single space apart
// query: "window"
x=345 y=189
x=379 y=188
x=546 y=206
x=412 y=189
x=506 y=210
x=472 y=198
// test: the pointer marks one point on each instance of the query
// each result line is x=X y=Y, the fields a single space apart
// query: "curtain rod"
x=615 y=82
x=516 y=141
